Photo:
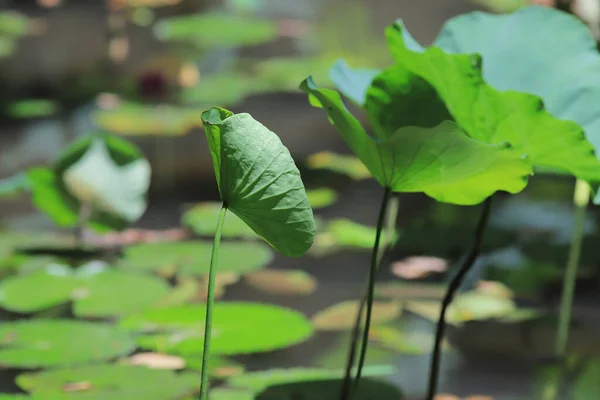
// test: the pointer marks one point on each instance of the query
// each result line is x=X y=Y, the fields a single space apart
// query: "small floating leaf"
x=342 y=316
x=202 y=219
x=282 y=282
x=259 y=181
x=410 y=290
x=95 y=291
x=321 y=198
x=118 y=382
x=148 y=120
x=217 y=30
x=180 y=330
x=342 y=164
x=33 y=108
x=193 y=257
x=50 y=343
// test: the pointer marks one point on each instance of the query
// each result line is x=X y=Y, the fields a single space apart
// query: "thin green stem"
x=371 y=290
x=453 y=287
x=390 y=229
x=581 y=200
x=210 y=300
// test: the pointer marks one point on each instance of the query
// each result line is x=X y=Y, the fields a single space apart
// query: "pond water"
x=484 y=358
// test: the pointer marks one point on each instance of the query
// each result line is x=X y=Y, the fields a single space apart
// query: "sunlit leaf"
x=342 y=316
x=202 y=219
x=259 y=181
x=282 y=282
x=349 y=234
x=342 y=164
x=193 y=258
x=33 y=108
x=321 y=198
x=96 y=180
x=119 y=382
x=257 y=381
x=49 y=343
x=94 y=290
x=138 y=119
x=224 y=89
x=180 y=330
x=50 y=194
x=441 y=160
x=519 y=118
x=217 y=30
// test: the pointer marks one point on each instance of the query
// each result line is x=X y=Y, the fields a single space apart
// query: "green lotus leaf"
x=441 y=161
x=108 y=171
x=118 y=382
x=491 y=116
x=193 y=257
x=202 y=219
x=137 y=119
x=259 y=181
x=53 y=342
x=180 y=330
x=217 y=30
x=257 y=381
x=94 y=290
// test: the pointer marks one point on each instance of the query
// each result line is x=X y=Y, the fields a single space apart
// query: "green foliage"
x=179 y=330
x=33 y=108
x=119 y=382
x=53 y=342
x=259 y=181
x=137 y=119
x=441 y=161
x=94 y=290
x=321 y=198
x=342 y=316
x=107 y=173
x=193 y=258
x=341 y=164
x=320 y=389
x=202 y=219
x=217 y=30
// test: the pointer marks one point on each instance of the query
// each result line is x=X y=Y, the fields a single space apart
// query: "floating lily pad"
x=107 y=171
x=34 y=108
x=50 y=343
x=218 y=367
x=156 y=361
x=329 y=389
x=347 y=233
x=13 y=24
x=222 y=89
x=119 y=382
x=193 y=258
x=282 y=282
x=94 y=290
x=202 y=219
x=342 y=164
x=321 y=198
x=342 y=316
x=217 y=30
x=284 y=73
x=136 y=119
x=410 y=290
x=258 y=381
x=180 y=330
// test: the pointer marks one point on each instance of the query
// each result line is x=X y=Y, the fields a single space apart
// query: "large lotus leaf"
x=100 y=382
x=259 y=181
x=441 y=161
x=95 y=161
x=217 y=30
x=237 y=328
x=492 y=116
x=94 y=290
x=258 y=381
x=136 y=119
x=49 y=343
x=202 y=219
x=329 y=389
x=194 y=257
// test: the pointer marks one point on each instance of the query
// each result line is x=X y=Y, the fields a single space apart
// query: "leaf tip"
x=215 y=115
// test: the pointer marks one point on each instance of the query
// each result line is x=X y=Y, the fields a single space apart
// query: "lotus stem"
x=210 y=301
x=453 y=287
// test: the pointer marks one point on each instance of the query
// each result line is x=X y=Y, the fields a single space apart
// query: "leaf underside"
x=259 y=181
